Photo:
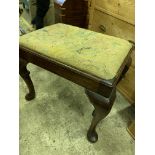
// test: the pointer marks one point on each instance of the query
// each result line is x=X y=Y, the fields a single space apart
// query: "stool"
x=92 y=60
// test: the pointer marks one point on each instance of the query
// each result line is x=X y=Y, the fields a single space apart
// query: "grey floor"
x=56 y=121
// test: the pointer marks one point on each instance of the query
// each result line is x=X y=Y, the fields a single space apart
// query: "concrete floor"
x=56 y=121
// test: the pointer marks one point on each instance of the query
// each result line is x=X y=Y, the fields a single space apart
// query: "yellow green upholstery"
x=94 y=53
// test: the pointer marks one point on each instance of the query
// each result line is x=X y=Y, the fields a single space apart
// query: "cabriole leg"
x=24 y=73
x=102 y=107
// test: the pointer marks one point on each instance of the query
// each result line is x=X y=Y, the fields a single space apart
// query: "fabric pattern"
x=94 y=53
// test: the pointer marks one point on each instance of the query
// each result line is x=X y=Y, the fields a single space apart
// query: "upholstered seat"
x=94 y=53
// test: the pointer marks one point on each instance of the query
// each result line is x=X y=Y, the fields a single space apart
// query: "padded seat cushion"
x=94 y=53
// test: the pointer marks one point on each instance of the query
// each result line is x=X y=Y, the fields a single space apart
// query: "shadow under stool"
x=92 y=60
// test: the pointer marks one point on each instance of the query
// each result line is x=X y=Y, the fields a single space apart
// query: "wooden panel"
x=126 y=8
x=109 y=5
x=127 y=86
x=110 y=25
x=89 y=3
x=133 y=59
x=131 y=129
x=90 y=12
x=122 y=9
x=72 y=12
